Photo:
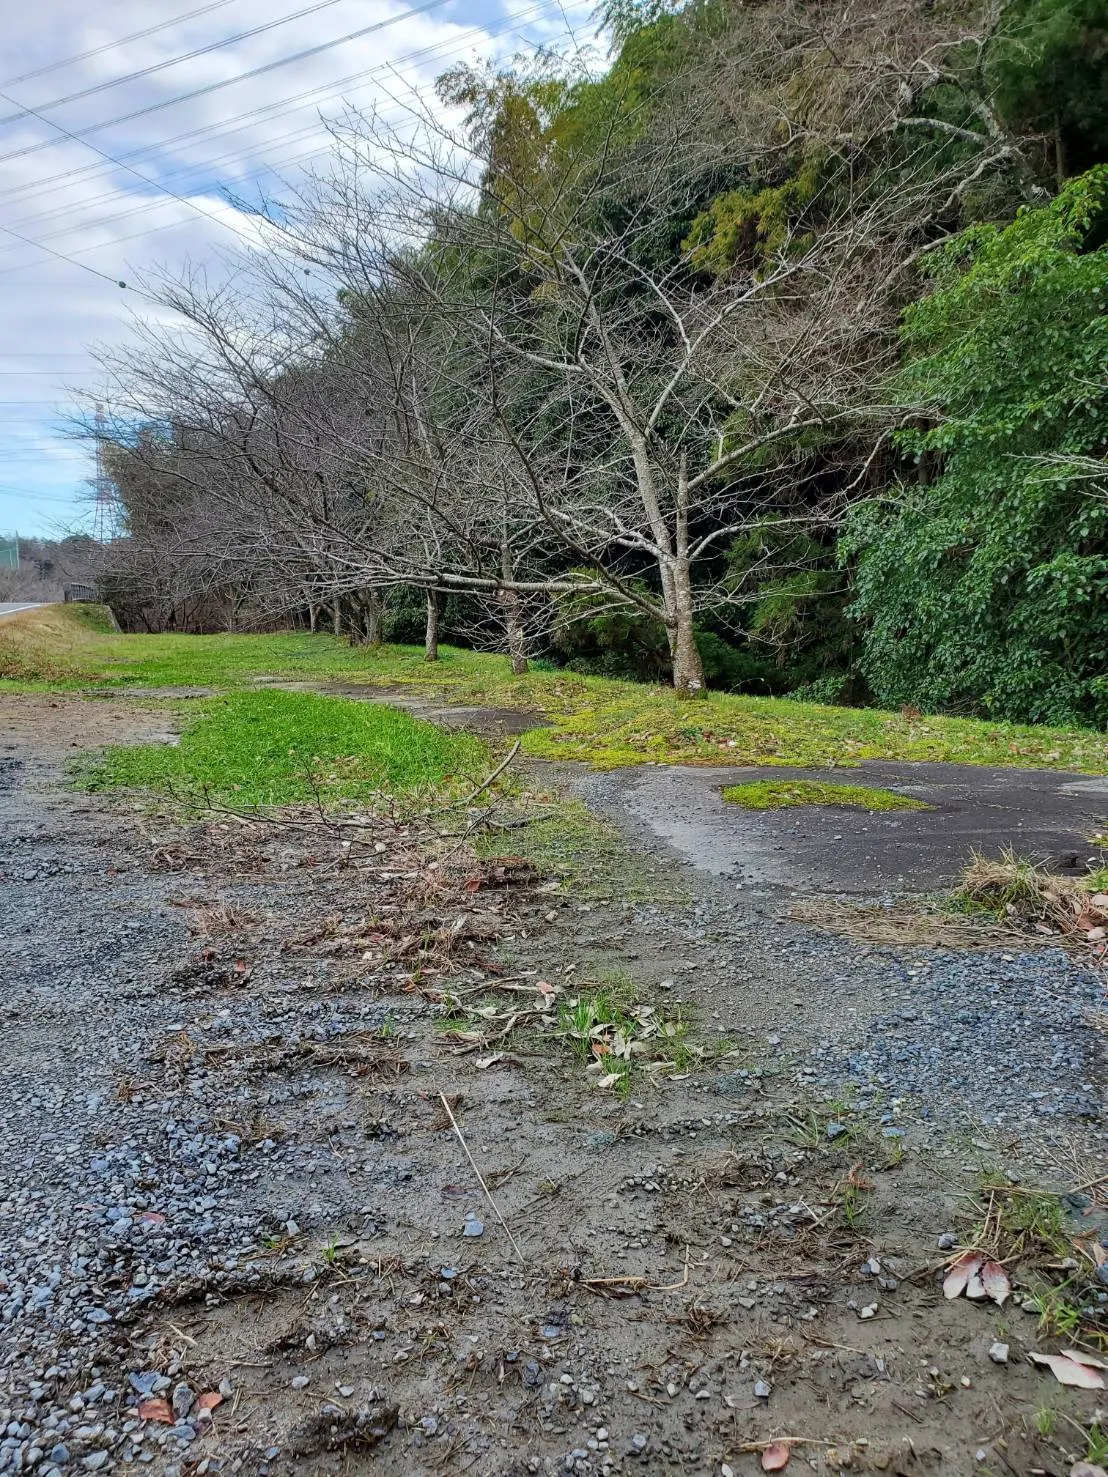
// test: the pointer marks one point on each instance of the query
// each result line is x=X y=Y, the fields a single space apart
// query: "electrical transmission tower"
x=105 y=523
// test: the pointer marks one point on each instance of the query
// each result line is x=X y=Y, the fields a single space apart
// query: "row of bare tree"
x=472 y=359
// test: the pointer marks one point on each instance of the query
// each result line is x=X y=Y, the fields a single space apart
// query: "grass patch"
x=284 y=748
x=594 y=720
x=784 y=794
x=615 y=1036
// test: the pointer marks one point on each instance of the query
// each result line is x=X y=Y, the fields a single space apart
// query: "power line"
x=62 y=257
x=278 y=108
x=173 y=61
x=82 y=56
x=534 y=13
x=78 y=139
x=261 y=71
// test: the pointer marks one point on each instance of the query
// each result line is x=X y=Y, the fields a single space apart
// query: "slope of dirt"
x=234 y=1205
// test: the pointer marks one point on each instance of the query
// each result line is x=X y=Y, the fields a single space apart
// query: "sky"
x=125 y=132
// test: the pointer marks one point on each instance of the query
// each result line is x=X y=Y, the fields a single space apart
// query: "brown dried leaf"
x=995 y=1281
x=1069 y=1371
x=155 y=1409
x=209 y=1400
x=775 y=1458
x=961 y=1270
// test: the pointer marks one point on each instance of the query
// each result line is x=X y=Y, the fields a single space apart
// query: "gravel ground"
x=1001 y=1040
x=227 y=1182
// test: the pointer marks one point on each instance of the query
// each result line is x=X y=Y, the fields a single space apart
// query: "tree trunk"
x=372 y=616
x=688 y=669
x=513 y=624
x=431 y=640
x=313 y=612
x=336 y=616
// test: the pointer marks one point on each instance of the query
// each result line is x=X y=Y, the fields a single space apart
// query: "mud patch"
x=485 y=721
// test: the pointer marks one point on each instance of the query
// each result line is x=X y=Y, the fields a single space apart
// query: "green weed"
x=615 y=1036
x=1046 y=1420
x=1059 y=1316
x=1096 y=1445
x=827 y=1129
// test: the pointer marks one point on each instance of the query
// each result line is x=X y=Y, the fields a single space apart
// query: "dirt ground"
x=275 y=1200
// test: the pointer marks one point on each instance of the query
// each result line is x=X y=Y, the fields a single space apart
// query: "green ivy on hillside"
x=984 y=585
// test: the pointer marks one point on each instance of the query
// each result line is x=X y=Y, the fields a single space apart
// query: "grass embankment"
x=786 y=794
x=596 y=720
x=283 y=748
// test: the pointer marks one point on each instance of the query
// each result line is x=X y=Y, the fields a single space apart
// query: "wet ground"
x=1043 y=814
x=839 y=849
x=229 y=1185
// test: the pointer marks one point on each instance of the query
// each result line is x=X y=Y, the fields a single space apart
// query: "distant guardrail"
x=85 y=594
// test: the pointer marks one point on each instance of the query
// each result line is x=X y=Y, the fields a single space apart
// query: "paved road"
x=1042 y=813
x=15 y=609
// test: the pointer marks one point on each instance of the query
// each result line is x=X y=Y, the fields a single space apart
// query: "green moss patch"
x=784 y=794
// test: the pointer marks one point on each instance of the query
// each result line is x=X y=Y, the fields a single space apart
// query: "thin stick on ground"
x=635 y=1283
x=480 y=1178
x=497 y=772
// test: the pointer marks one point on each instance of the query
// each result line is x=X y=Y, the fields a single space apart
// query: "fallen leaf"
x=994 y=1279
x=775 y=1458
x=610 y=1080
x=483 y=1063
x=957 y=1279
x=155 y=1409
x=1069 y=1371
x=1082 y=1358
x=975 y=1288
x=208 y=1401
x=1093 y=1250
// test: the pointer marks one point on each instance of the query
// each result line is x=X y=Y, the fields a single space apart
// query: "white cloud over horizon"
x=184 y=131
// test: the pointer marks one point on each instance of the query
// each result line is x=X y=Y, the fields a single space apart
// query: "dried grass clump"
x=1029 y=893
x=920 y=925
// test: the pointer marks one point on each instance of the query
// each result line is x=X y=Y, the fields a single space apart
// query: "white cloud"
x=241 y=137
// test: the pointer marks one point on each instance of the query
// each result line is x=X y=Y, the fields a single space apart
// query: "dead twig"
x=492 y=779
x=612 y=1286
x=480 y=1178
